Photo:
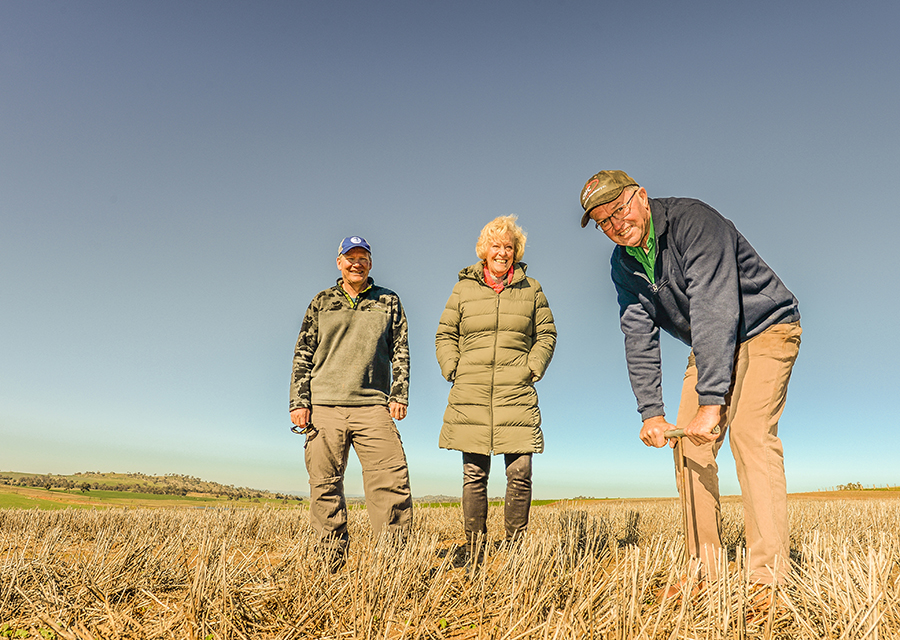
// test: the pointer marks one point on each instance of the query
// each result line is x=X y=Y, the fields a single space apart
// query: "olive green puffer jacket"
x=494 y=347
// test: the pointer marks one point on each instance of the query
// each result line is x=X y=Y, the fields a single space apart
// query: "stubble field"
x=585 y=570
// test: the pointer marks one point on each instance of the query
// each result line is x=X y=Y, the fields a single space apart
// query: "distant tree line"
x=858 y=486
x=170 y=484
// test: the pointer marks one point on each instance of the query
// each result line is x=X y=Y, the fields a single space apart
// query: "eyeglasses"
x=309 y=430
x=363 y=260
x=618 y=214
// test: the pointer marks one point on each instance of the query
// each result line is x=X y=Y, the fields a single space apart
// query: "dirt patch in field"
x=874 y=494
x=871 y=494
x=629 y=501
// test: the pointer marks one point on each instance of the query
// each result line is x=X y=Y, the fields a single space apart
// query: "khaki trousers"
x=374 y=436
x=753 y=407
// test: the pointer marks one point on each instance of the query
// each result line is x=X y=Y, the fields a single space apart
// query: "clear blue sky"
x=175 y=178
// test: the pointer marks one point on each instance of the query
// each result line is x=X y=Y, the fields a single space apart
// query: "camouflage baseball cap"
x=603 y=187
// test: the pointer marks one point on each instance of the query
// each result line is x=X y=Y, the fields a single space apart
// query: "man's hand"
x=653 y=430
x=700 y=429
x=300 y=417
x=398 y=410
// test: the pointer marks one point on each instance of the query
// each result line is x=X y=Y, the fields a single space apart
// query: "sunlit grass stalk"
x=582 y=571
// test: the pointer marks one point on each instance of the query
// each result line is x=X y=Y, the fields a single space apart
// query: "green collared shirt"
x=646 y=258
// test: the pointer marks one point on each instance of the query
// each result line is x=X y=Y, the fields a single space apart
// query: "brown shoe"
x=678 y=589
x=762 y=602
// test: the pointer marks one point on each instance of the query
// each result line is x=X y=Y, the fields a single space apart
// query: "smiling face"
x=355 y=266
x=629 y=225
x=500 y=255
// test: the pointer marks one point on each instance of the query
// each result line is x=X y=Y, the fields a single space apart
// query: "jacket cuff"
x=710 y=399
x=652 y=412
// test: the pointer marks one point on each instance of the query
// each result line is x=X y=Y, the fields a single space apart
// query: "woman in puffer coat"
x=495 y=339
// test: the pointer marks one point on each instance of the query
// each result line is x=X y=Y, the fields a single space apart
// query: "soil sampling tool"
x=678 y=434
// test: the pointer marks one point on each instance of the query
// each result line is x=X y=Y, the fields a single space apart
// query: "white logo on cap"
x=354 y=239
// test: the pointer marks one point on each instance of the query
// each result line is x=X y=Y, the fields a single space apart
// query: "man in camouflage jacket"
x=350 y=382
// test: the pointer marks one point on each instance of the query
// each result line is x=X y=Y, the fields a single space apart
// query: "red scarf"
x=497 y=286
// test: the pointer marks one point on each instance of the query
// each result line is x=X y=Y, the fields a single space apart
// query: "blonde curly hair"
x=497 y=228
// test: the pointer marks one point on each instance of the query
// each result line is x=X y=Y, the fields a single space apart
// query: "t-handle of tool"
x=679 y=433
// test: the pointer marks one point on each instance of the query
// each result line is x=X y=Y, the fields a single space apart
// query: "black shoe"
x=334 y=557
x=475 y=552
x=336 y=562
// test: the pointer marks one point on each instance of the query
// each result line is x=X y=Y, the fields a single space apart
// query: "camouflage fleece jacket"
x=347 y=354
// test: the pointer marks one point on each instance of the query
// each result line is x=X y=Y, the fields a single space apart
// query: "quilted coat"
x=493 y=347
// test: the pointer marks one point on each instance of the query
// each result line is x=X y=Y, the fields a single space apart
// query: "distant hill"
x=438 y=499
x=170 y=484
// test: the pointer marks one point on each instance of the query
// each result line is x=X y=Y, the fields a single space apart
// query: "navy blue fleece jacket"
x=712 y=292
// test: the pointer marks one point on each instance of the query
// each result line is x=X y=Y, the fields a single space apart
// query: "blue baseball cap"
x=353 y=241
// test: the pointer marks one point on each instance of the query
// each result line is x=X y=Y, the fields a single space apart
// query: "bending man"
x=681 y=267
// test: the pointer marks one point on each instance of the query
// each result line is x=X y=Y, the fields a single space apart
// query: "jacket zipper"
x=494 y=369
x=354 y=305
x=655 y=287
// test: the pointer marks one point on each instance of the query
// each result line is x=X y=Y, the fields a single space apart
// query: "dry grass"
x=584 y=571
